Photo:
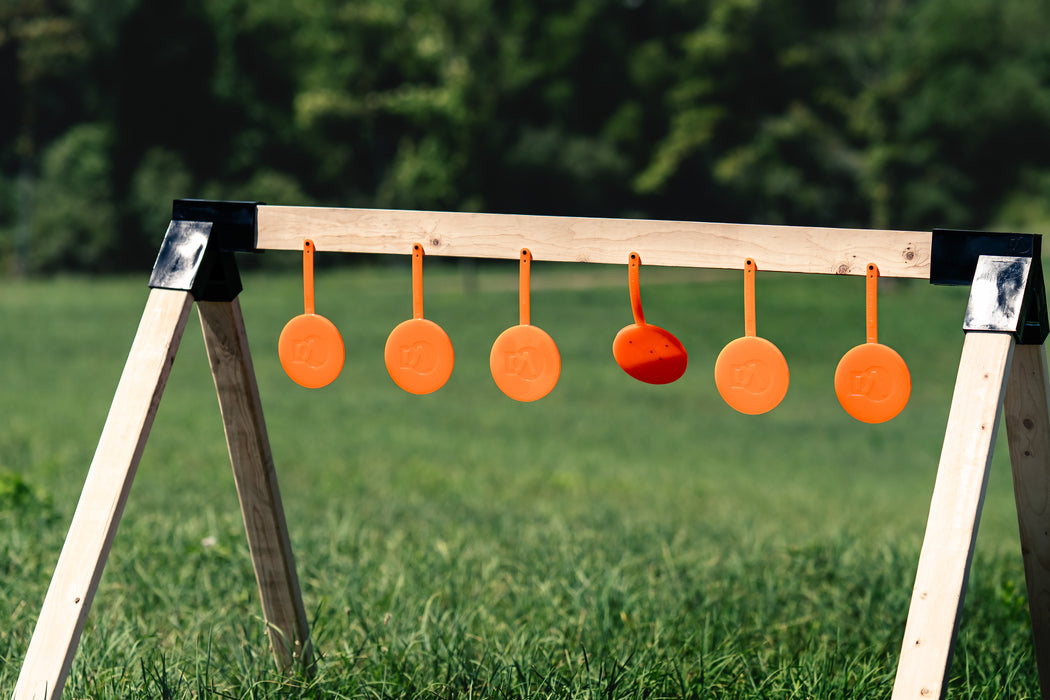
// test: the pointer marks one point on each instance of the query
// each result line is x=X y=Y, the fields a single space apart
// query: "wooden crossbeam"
x=833 y=251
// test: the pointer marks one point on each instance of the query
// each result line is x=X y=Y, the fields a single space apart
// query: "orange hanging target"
x=418 y=354
x=646 y=352
x=310 y=347
x=872 y=381
x=524 y=361
x=751 y=373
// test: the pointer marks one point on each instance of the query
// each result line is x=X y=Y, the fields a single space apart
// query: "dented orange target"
x=310 y=347
x=647 y=352
x=418 y=353
x=872 y=381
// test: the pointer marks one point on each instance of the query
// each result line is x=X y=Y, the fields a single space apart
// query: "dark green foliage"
x=17 y=495
x=75 y=226
x=899 y=114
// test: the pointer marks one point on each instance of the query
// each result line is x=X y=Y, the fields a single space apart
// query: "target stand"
x=1002 y=370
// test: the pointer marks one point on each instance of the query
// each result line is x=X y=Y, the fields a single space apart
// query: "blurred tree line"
x=872 y=113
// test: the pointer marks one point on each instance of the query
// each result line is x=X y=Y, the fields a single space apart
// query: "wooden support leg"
x=955 y=512
x=105 y=493
x=253 y=469
x=1028 y=432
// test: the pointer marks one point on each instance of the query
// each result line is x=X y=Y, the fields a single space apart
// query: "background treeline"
x=884 y=113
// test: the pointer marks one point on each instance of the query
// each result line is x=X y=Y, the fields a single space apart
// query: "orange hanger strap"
x=750 y=329
x=417 y=281
x=872 y=304
x=308 y=275
x=633 y=272
x=524 y=314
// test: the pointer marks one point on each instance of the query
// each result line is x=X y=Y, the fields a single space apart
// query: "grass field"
x=614 y=540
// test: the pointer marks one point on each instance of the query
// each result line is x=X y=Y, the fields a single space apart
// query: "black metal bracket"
x=954 y=253
x=1008 y=296
x=1034 y=315
x=196 y=254
x=998 y=295
x=1008 y=292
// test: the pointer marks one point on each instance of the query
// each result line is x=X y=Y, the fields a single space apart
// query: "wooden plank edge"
x=815 y=250
x=96 y=518
x=255 y=477
x=1028 y=432
x=955 y=513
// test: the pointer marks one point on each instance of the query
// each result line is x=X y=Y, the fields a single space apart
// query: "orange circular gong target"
x=872 y=381
x=524 y=361
x=751 y=373
x=310 y=347
x=418 y=354
x=647 y=352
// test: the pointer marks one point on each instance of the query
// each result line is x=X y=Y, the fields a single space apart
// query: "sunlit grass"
x=612 y=540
